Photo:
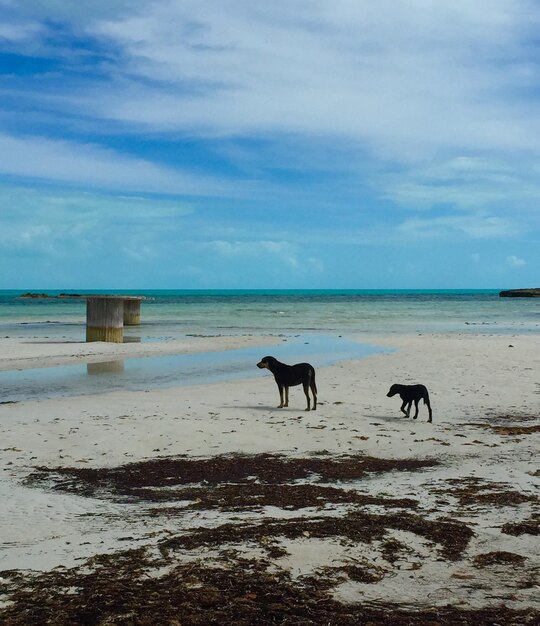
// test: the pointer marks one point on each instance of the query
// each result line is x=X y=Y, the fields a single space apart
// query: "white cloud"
x=96 y=166
x=41 y=222
x=406 y=78
x=411 y=79
x=142 y=253
x=468 y=183
x=280 y=250
x=19 y=32
x=59 y=206
x=515 y=261
x=280 y=259
x=457 y=226
x=420 y=74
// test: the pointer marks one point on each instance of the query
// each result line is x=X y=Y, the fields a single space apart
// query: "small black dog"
x=290 y=375
x=410 y=394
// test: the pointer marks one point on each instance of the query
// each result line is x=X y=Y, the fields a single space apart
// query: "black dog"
x=290 y=375
x=410 y=394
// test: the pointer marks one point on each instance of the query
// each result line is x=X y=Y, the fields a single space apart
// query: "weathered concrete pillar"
x=105 y=319
x=132 y=312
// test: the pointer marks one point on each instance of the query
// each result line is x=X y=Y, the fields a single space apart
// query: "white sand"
x=473 y=379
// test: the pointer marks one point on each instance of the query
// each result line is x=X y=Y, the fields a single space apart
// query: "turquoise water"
x=173 y=314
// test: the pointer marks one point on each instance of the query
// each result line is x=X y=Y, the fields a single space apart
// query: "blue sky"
x=284 y=144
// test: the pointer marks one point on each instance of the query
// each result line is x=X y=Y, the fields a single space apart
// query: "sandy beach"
x=445 y=515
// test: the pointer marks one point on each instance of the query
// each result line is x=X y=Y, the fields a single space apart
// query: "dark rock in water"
x=521 y=293
x=35 y=295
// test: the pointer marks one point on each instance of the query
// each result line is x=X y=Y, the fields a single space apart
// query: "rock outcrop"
x=35 y=295
x=521 y=293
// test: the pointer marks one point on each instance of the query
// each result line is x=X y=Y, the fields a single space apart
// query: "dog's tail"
x=312 y=384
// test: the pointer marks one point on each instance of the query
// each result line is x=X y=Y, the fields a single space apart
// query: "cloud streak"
x=417 y=74
x=403 y=77
x=96 y=166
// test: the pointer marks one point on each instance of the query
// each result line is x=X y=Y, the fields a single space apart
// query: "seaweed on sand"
x=242 y=497
x=136 y=480
x=355 y=526
x=529 y=526
x=516 y=430
x=134 y=588
x=127 y=589
x=496 y=558
x=471 y=491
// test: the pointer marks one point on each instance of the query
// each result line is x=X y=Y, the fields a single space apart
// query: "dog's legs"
x=415 y=409
x=426 y=402
x=405 y=409
x=280 y=406
x=314 y=392
x=286 y=396
x=306 y=391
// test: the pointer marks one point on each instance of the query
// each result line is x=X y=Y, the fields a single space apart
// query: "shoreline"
x=480 y=385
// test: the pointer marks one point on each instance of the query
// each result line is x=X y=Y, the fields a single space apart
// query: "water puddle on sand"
x=143 y=373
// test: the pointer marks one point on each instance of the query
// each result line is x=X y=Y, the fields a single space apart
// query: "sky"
x=173 y=144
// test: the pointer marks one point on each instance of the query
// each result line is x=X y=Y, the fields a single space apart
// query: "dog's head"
x=265 y=362
x=392 y=392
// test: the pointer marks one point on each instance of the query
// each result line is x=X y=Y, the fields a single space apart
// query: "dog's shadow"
x=388 y=418
x=392 y=419
x=286 y=409
x=253 y=407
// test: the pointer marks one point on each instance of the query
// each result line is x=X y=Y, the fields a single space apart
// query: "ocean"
x=173 y=314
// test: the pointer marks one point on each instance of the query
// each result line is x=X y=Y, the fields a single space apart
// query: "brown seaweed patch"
x=472 y=491
x=452 y=536
x=499 y=424
x=253 y=495
x=495 y=558
x=365 y=573
x=137 y=480
x=392 y=550
x=127 y=589
x=516 y=430
x=530 y=526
